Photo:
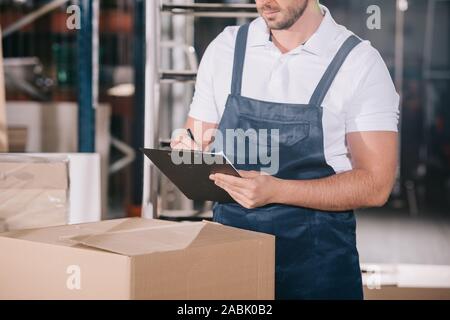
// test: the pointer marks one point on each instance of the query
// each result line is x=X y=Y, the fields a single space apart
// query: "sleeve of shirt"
x=203 y=106
x=375 y=103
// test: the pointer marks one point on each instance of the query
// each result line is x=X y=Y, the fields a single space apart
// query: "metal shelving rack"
x=88 y=73
x=212 y=10
x=154 y=76
x=88 y=64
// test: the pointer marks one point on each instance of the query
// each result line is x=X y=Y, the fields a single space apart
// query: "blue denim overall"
x=316 y=255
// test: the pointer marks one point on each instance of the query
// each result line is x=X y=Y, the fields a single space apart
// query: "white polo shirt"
x=362 y=97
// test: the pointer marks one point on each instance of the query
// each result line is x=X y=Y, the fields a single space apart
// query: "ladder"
x=154 y=76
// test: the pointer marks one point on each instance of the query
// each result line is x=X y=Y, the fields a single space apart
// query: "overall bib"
x=316 y=255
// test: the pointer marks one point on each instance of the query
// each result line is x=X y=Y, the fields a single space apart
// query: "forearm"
x=350 y=190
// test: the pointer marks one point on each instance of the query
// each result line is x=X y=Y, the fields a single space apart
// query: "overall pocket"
x=273 y=133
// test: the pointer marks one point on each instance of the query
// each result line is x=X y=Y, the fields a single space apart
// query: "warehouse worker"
x=331 y=98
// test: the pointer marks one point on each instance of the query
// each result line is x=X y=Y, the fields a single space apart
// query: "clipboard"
x=192 y=176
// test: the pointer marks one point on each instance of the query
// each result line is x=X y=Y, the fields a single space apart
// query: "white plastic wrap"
x=34 y=191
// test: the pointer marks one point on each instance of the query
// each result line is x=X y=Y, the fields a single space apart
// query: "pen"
x=192 y=136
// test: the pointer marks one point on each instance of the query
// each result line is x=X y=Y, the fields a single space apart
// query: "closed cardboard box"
x=33 y=191
x=396 y=293
x=137 y=259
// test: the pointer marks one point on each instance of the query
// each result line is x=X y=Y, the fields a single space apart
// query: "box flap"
x=136 y=236
x=60 y=235
x=163 y=238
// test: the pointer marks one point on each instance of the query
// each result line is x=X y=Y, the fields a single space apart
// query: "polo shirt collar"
x=318 y=44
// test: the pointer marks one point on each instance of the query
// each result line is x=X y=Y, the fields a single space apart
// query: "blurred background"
x=110 y=76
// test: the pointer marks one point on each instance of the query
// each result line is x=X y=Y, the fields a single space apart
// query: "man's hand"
x=203 y=133
x=253 y=190
x=184 y=142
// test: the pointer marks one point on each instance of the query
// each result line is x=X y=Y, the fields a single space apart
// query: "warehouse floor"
x=392 y=236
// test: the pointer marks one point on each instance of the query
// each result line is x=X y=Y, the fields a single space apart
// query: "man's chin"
x=273 y=24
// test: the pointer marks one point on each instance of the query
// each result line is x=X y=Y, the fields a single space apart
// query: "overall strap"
x=332 y=70
x=239 y=58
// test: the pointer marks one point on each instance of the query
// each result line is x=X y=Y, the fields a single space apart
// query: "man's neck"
x=300 y=31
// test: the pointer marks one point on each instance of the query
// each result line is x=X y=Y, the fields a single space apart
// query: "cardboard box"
x=137 y=258
x=33 y=192
x=397 y=293
x=85 y=192
x=3 y=129
x=17 y=138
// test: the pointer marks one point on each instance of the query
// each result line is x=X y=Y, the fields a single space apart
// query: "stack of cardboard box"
x=33 y=192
